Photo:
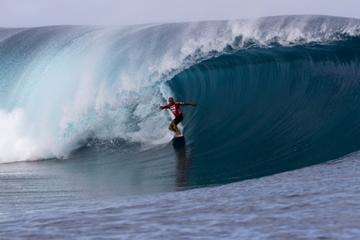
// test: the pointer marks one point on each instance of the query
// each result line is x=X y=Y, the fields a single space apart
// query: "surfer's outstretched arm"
x=164 y=107
x=188 y=104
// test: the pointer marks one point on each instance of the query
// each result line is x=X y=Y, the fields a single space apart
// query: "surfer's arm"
x=187 y=104
x=164 y=107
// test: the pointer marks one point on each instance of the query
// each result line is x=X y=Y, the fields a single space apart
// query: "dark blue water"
x=263 y=111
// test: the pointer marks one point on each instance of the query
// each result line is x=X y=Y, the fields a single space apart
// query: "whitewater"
x=272 y=148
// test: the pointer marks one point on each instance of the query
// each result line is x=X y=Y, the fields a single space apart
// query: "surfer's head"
x=171 y=100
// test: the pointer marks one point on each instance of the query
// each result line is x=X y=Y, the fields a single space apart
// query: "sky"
x=27 y=13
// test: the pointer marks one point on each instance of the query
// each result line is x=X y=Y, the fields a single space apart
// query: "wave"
x=259 y=84
x=263 y=111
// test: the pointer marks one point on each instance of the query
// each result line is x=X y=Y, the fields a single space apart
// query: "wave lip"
x=74 y=83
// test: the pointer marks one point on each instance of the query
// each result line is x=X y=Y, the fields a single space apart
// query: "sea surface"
x=271 y=148
x=318 y=202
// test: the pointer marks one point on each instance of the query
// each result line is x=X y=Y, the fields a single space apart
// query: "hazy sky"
x=14 y=13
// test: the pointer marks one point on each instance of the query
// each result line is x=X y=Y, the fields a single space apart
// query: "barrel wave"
x=268 y=110
x=273 y=94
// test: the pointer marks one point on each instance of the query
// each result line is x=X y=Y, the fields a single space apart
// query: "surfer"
x=175 y=109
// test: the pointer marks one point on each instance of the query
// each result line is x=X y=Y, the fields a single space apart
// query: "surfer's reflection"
x=182 y=166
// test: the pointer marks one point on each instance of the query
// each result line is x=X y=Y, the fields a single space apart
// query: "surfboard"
x=178 y=142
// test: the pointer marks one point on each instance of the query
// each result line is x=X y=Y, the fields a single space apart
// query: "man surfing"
x=175 y=109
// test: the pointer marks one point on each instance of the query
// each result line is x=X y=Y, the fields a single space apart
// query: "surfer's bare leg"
x=171 y=126
x=177 y=130
x=174 y=128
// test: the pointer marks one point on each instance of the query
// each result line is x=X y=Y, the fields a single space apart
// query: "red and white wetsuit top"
x=175 y=108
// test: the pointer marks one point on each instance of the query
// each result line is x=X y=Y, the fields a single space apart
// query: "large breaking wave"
x=283 y=88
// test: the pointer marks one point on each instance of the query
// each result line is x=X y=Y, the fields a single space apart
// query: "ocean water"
x=85 y=151
x=318 y=202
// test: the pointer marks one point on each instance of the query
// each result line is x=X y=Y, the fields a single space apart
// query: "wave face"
x=273 y=93
x=263 y=111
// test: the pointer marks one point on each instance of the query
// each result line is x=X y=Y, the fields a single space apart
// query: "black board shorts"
x=178 y=119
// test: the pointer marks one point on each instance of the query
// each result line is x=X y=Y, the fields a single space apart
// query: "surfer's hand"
x=161 y=107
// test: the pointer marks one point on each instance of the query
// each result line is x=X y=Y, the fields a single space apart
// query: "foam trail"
x=63 y=85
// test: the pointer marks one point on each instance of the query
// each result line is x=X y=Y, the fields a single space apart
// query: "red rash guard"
x=175 y=108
